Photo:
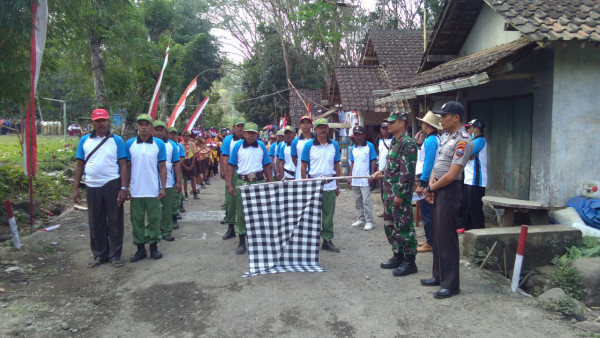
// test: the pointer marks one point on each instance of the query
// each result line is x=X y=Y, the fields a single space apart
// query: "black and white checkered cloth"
x=283 y=224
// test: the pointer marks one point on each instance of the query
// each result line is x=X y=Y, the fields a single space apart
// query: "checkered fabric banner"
x=283 y=226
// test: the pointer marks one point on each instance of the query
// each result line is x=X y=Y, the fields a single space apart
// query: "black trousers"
x=472 y=207
x=106 y=220
x=446 y=253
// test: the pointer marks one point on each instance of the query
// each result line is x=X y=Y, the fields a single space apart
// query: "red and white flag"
x=181 y=104
x=38 y=42
x=196 y=115
x=309 y=114
x=154 y=102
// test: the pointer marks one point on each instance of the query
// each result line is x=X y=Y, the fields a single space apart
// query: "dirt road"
x=197 y=289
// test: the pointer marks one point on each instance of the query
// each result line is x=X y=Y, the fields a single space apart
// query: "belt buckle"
x=252 y=177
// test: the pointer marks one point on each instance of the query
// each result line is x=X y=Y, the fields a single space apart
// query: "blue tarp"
x=588 y=209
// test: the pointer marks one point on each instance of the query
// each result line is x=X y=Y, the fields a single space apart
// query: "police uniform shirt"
x=172 y=157
x=321 y=159
x=103 y=166
x=361 y=157
x=456 y=148
x=297 y=147
x=476 y=169
x=249 y=158
x=285 y=155
x=144 y=157
x=384 y=148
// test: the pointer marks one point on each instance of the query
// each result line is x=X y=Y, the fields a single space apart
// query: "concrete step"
x=544 y=242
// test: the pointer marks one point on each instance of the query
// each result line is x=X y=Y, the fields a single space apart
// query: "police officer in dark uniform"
x=445 y=189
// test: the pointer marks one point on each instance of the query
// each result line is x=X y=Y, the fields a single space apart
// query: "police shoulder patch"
x=460 y=148
x=464 y=134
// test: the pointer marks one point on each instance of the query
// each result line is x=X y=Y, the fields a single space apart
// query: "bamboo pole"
x=488 y=256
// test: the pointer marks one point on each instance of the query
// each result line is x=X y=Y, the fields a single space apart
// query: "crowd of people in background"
x=446 y=159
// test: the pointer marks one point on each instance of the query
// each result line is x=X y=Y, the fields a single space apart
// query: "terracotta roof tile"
x=297 y=107
x=356 y=84
x=472 y=64
x=399 y=51
x=551 y=20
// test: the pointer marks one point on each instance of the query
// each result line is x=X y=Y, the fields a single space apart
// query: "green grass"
x=50 y=191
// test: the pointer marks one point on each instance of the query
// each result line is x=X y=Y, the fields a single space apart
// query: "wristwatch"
x=428 y=189
x=124 y=188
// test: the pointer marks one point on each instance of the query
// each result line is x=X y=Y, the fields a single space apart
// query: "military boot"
x=241 y=249
x=408 y=267
x=175 y=223
x=393 y=262
x=230 y=232
x=139 y=254
x=154 y=253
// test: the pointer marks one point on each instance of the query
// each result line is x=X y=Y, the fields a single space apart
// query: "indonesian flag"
x=196 y=115
x=282 y=122
x=181 y=104
x=38 y=41
x=154 y=102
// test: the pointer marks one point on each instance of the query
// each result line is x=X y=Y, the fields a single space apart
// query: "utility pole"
x=64 y=104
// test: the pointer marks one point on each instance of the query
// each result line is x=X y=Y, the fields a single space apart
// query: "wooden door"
x=508 y=135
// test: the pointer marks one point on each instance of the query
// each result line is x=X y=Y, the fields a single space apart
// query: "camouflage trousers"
x=399 y=227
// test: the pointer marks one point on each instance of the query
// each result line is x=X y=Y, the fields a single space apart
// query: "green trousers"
x=230 y=203
x=327 y=211
x=240 y=222
x=399 y=226
x=166 y=225
x=139 y=209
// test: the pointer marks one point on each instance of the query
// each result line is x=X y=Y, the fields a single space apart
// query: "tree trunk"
x=98 y=68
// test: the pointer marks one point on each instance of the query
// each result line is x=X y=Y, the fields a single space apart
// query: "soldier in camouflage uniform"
x=398 y=185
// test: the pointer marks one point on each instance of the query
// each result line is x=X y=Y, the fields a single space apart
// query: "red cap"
x=98 y=114
x=305 y=117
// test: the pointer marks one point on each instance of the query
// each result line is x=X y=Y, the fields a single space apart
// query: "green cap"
x=144 y=117
x=239 y=120
x=289 y=128
x=321 y=121
x=398 y=115
x=172 y=130
x=280 y=132
x=159 y=123
x=251 y=126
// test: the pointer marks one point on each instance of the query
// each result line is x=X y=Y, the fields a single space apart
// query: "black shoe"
x=181 y=208
x=154 y=254
x=405 y=269
x=328 y=245
x=175 y=223
x=185 y=197
x=196 y=196
x=202 y=186
x=430 y=282
x=241 y=249
x=139 y=254
x=178 y=216
x=207 y=182
x=393 y=262
x=446 y=293
x=168 y=238
x=223 y=221
x=230 y=232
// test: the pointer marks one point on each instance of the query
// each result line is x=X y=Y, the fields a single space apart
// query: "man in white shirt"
x=321 y=158
x=286 y=166
x=306 y=135
x=383 y=147
x=146 y=161
x=173 y=180
x=362 y=163
x=101 y=155
x=251 y=159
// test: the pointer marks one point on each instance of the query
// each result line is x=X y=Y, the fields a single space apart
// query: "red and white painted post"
x=13 y=224
x=519 y=259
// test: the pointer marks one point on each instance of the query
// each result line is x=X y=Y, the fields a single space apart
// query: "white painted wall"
x=487 y=32
x=575 y=141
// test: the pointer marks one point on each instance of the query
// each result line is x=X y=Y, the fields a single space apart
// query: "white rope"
x=324 y=178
